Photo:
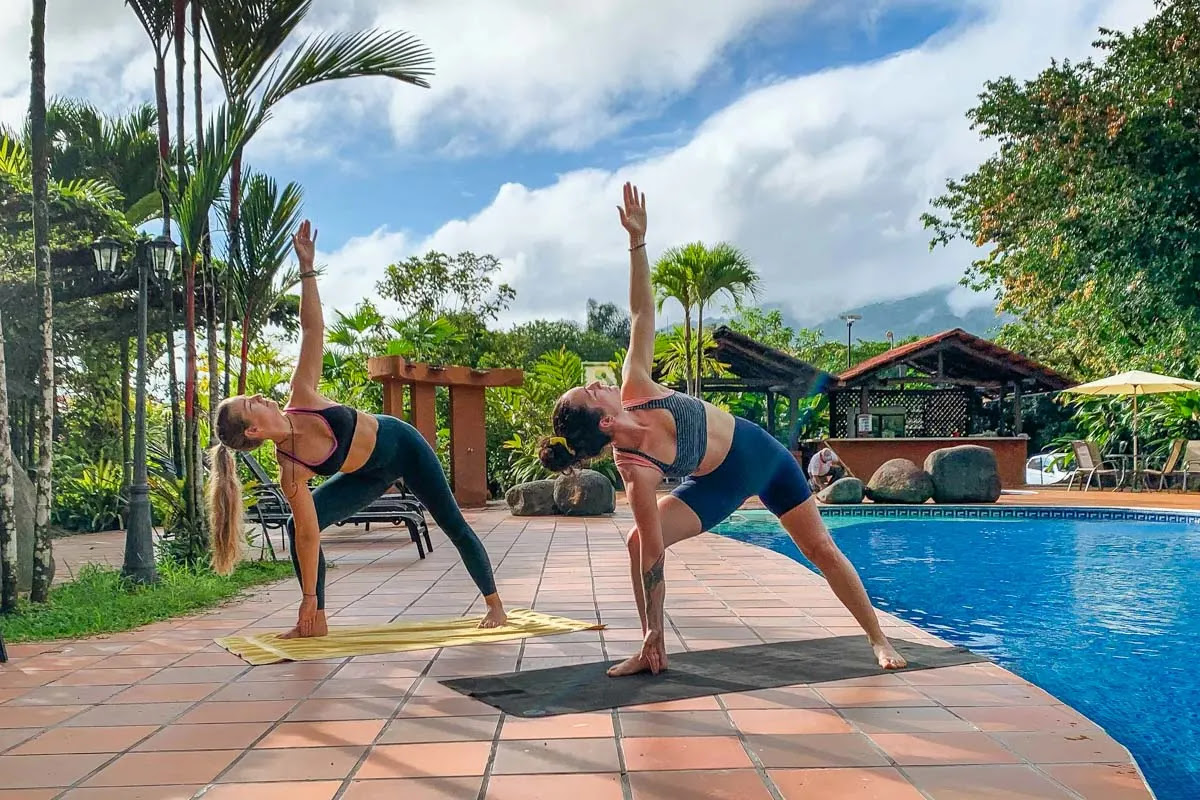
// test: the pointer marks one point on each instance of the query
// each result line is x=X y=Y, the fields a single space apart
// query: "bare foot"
x=887 y=656
x=630 y=666
x=319 y=628
x=494 y=618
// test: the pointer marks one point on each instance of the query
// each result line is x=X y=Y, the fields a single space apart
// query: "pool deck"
x=166 y=710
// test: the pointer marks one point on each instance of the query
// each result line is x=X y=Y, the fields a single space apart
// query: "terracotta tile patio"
x=164 y=709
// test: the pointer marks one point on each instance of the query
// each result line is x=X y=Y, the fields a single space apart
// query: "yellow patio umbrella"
x=1135 y=382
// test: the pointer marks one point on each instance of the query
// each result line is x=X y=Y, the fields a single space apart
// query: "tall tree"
x=259 y=282
x=245 y=42
x=209 y=269
x=721 y=269
x=8 y=527
x=43 y=557
x=1085 y=214
x=157 y=18
x=672 y=281
x=693 y=275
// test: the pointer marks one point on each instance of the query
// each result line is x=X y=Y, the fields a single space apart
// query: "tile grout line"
x=759 y=768
x=348 y=780
x=626 y=780
x=495 y=744
x=161 y=727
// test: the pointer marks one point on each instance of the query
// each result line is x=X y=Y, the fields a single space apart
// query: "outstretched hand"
x=633 y=215
x=304 y=241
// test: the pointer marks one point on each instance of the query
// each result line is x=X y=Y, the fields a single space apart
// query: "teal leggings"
x=401 y=453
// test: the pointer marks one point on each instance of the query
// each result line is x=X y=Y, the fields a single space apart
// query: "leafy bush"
x=92 y=498
x=527 y=410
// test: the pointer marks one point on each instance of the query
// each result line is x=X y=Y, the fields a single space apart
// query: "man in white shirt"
x=824 y=468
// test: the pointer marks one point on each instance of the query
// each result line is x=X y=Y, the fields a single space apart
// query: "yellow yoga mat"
x=268 y=648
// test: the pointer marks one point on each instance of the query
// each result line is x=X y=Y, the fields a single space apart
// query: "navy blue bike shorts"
x=756 y=465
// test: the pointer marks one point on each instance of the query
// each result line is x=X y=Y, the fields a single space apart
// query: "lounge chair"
x=1090 y=464
x=1191 y=460
x=1170 y=467
x=270 y=509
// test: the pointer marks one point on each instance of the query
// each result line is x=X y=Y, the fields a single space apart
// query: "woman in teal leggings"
x=363 y=454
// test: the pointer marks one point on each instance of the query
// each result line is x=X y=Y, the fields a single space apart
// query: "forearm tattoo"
x=653 y=577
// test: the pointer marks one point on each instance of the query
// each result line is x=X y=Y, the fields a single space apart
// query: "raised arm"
x=639 y=359
x=312 y=325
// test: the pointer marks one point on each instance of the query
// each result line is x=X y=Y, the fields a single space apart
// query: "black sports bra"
x=341 y=421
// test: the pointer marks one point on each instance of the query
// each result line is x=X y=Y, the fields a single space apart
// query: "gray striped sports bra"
x=691 y=433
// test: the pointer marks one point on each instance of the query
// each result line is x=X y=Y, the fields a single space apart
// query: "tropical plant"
x=528 y=410
x=694 y=275
x=1084 y=215
x=672 y=281
x=245 y=40
x=267 y=220
x=93 y=499
x=717 y=270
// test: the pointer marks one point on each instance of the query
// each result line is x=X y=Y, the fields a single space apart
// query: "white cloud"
x=821 y=178
x=352 y=271
x=562 y=74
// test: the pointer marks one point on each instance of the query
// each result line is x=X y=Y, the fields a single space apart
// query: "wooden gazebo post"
x=468 y=434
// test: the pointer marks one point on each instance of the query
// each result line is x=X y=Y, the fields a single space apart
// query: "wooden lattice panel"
x=929 y=413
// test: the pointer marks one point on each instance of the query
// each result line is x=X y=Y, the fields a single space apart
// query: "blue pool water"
x=1105 y=615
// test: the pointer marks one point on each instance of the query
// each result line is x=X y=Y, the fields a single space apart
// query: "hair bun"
x=555 y=456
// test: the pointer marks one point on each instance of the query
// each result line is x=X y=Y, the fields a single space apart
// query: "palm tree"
x=87 y=144
x=672 y=281
x=720 y=269
x=265 y=227
x=157 y=18
x=43 y=558
x=193 y=194
x=244 y=42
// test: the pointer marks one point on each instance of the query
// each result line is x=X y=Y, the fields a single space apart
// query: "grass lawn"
x=99 y=601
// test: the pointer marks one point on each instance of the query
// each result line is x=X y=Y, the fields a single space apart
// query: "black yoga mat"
x=584 y=687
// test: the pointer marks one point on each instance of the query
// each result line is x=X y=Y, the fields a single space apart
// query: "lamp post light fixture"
x=157 y=255
x=850 y=319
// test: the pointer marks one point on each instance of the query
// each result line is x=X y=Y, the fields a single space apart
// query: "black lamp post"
x=157 y=255
x=850 y=320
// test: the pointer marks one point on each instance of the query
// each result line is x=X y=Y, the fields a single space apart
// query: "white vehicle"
x=1045 y=469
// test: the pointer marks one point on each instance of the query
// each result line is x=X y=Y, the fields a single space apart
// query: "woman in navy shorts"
x=722 y=459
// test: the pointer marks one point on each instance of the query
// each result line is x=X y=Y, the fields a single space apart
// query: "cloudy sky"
x=813 y=139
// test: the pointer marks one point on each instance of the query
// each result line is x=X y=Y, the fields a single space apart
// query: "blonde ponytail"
x=224 y=510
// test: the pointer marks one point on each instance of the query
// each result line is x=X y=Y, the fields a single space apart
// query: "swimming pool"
x=1102 y=613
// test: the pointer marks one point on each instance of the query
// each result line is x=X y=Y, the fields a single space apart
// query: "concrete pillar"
x=423 y=400
x=468 y=446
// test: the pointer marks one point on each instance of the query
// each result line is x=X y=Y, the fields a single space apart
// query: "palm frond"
x=244 y=36
x=100 y=192
x=15 y=160
x=204 y=183
x=147 y=208
x=391 y=54
x=157 y=19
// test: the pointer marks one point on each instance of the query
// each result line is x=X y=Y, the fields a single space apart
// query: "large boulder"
x=964 y=474
x=586 y=493
x=843 y=492
x=533 y=499
x=900 y=481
